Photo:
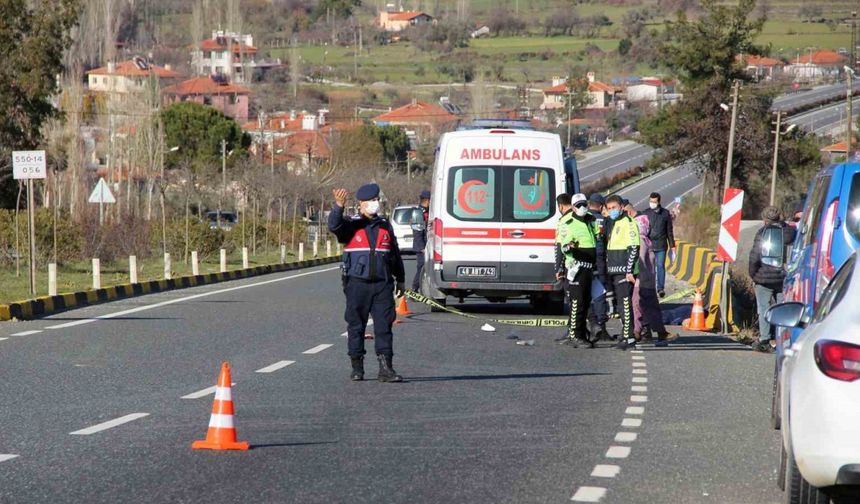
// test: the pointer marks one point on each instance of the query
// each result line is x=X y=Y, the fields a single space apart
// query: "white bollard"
x=339 y=249
x=328 y=248
x=195 y=268
x=167 y=275
x=132 y=269
x=97 y=274
x=223 y=261
x=245 y=257
x=301 y=252
x=283 y=254
x=52 y=279
x=316 y=248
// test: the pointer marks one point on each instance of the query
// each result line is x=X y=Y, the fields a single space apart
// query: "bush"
x=698 y=224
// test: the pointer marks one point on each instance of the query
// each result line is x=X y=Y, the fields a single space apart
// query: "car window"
x=529 y=194
x=772 y=246
x=835 y=290
x=402 y=216
x=472 y=193
x=812 y=217
x=853 y=217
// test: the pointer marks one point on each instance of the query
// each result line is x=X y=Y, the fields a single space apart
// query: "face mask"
x=614 y=214
x=581 y=211
x=654 y=206
x=371 y=207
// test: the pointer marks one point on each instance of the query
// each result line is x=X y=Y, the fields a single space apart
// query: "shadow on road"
x=498 y=377
x=283 y=445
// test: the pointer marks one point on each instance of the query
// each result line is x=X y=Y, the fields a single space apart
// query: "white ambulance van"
x=491 y=226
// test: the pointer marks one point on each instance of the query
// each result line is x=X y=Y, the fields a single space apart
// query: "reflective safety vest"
x=367 y=254
x=583 y=232
x=622 y=247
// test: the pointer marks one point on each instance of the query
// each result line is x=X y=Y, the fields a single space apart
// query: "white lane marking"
x=636 y=351
x=639 y=388
x=640 y=364
x=638 y=357
x=1 y=339
x=618 y=452
x=317 y=349
x=276 y=366
x=631 y=422
x=640 y=371
x=6 y=456
x=346 y=333
x=589 y=494
x=109 y=424
x=638 y=398
x=605 y=471
x=640 y=379
x=26 y=333
x=625 y=437
x=634 y=410
x=202 y=393
x=183 y=299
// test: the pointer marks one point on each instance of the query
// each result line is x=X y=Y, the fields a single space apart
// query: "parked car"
x=403 y=218
x=828 y=233
x=820 y=401
x=225 y=223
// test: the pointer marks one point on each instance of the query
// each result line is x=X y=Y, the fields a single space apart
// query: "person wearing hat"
x=372 y=275
x=575 y=258
x=622 y=263
x=603 y=299
x=419 y=238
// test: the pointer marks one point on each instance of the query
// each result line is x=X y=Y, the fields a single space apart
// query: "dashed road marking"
x=639 y=364
x=625 y=437
x=6 y=456
x=637 y=351
x=589 y=494
x=639 y=388
x=202 y=393
x=1 y=339
x=276 y=366
x=640 y=379
x=346 y=333
x=109 y=424
x=634 y=410
x=618 y=452
x=638 y=357
x=317 y=349
x=638 y=398
x=631 y=422
x=26 y=333
x=605 y=471
x=640 y=371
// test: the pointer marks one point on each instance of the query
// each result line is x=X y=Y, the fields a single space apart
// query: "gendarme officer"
x=371 y=265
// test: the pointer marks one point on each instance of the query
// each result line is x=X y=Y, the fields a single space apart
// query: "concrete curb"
x=48 y=305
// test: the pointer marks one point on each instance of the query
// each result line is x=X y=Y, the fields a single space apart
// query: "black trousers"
x=599 y=312
x=369 y=298
x=419 y=267
x=624 y=300
x=579 y=297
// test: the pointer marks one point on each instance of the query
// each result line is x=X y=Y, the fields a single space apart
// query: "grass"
x=78 y=276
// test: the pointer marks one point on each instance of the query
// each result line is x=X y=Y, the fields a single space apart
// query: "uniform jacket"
x=600 y=263
x=370 y=249
x=584 y=231
x=419 y=236
x=622 y=246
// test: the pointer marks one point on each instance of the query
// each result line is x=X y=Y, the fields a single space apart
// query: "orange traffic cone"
x=696 y=322
x=222 y=433
x=403 y=308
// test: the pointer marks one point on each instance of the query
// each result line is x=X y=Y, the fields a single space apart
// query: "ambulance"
x=492 y=219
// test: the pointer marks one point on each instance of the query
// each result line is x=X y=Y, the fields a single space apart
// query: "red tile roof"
x=204 y=86
x=135 y=68
x=417 y=112
x=301 y=142
x=837 y=147
x=220 y=44
x=759 y=61
x=594 y=87
x=821 y=58
x=405 y=16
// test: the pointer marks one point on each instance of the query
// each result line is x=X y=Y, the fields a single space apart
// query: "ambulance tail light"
x=437 y=240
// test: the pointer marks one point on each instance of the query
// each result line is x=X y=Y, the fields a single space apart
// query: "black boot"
x=386 y=372
x=357 y=368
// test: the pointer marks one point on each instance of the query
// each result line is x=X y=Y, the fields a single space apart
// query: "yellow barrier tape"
x=527 y=322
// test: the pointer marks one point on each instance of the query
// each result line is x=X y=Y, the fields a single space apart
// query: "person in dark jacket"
x=419 y=239
x=603 y=299
x=766 y=269
x=662 y=238
x=371 y=266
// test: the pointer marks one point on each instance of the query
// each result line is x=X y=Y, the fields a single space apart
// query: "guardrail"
x=699 y=267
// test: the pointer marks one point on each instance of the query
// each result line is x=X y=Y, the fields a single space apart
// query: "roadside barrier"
x=699 y=267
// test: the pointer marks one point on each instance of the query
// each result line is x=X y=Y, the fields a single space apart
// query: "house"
x=816 y=65
x=215 y=91
x=396 y=21
x=602 y=95
x=651 y=90
x=127 y=76
x=299 y=151
x=420 y=119
x=226 y=53
x=761 y=67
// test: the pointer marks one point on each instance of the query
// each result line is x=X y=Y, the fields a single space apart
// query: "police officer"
x=419 y=239
x=371 y=265
x=576 y=255
x=622 y=263
x=603 y=304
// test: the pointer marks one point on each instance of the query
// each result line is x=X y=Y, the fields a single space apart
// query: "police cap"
x=367 y=192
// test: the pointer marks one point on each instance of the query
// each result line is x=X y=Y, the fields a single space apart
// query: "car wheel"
x=775 y=419
x=783 y=460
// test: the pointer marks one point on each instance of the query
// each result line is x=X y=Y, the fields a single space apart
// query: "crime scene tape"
x=678 y=295
x=526 y=322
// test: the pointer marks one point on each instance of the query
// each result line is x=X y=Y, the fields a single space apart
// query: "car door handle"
x=516 y=234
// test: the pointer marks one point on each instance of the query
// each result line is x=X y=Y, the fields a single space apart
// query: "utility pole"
x=775 y=156
x=849 y=73
x=735 y=90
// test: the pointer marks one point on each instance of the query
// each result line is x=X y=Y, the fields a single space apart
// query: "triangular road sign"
x=102 y=194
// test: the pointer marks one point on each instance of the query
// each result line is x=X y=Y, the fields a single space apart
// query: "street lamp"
x=777 y=134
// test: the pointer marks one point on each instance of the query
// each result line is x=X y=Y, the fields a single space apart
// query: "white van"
x=491 y=226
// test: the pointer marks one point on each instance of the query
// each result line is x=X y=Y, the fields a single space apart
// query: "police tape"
x=522 y=322
x=677 y=296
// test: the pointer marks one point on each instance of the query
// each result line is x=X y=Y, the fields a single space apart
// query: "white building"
x=226 y=53
x=127 y=76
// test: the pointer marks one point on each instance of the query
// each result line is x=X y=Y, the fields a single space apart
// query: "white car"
x=402 y=220
x=820 y=402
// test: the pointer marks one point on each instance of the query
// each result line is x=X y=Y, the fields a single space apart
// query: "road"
x=827 y=120
x=671 y=183
x=479 y=419
x=790 y=101
x=616 y=159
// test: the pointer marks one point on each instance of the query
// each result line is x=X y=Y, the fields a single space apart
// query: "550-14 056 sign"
x=28 y=165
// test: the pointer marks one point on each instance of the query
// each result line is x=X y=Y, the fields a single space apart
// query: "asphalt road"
x=790 y=101
x=824 y=120
x=615 y=159
x=671 y=183
x=479 y=419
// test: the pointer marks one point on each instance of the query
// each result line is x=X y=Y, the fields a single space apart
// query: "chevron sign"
x=730 y=224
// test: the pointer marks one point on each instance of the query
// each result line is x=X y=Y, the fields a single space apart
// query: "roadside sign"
x=102 y=194
x=28 y=165
x=730 y=225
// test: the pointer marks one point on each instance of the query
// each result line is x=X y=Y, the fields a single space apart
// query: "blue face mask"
x=614 y=214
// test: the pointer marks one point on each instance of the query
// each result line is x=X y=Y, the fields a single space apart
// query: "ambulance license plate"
x=476 y=271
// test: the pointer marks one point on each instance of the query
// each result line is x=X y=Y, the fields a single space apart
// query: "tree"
x=198 y=131
x=624 y=46
x=394 y=143
x=35 y=36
